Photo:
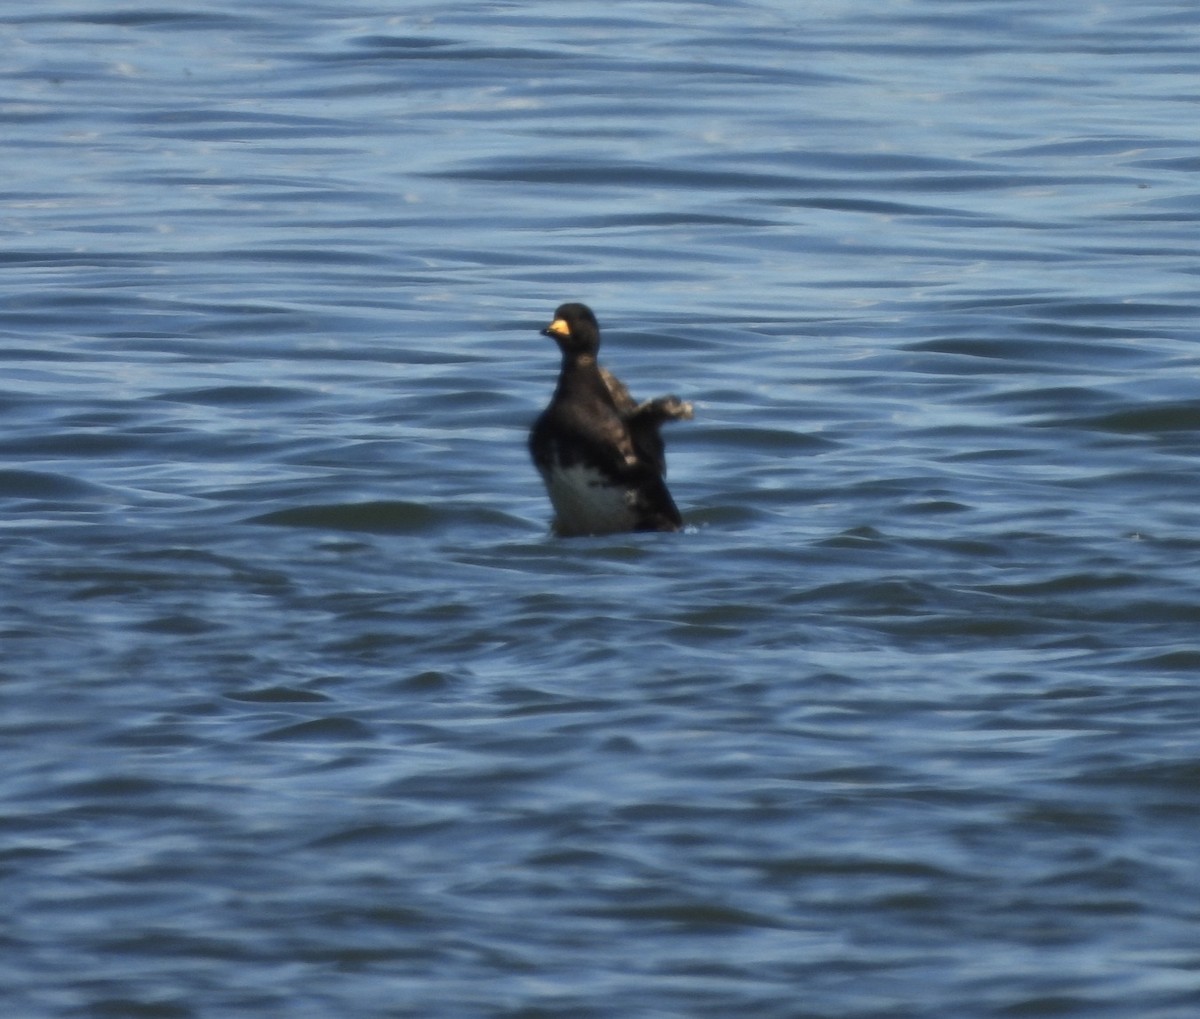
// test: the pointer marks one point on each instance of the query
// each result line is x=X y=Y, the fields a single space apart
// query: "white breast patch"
x=584 y=503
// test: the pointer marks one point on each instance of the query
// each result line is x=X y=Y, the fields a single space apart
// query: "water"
x=305 y=714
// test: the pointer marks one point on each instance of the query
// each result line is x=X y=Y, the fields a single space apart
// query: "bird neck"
x=580 y=373
x=574 y=359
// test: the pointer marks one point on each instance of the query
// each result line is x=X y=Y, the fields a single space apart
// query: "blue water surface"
x=304 y=711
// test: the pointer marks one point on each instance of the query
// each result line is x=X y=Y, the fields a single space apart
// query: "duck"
x=599 y=451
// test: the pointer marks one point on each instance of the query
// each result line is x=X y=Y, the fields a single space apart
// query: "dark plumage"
x=597 y=449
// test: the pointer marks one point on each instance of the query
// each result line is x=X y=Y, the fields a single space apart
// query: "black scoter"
x=598 y=450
